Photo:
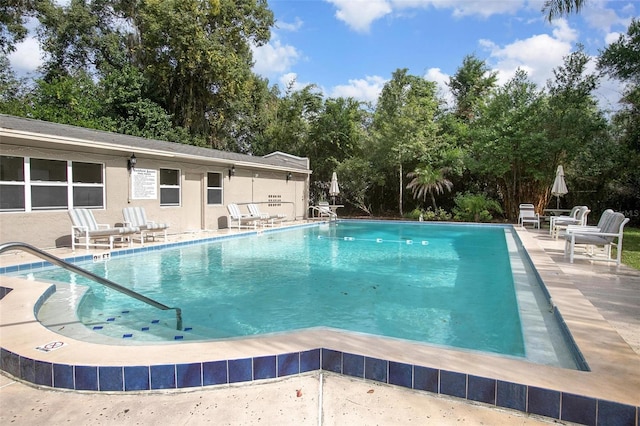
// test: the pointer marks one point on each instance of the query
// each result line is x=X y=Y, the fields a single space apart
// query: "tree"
x=334 y=136
x=572 y=120
x=470 y=86
x=509 y=150
x=404 y=124
x=621 y=60
x=557 y=8
x=427 y=180
x=12 y=17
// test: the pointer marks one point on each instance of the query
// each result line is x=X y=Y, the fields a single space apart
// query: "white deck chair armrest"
x=596 y=234
x=103 y=225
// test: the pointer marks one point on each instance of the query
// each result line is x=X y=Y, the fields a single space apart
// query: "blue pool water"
x=443 y=284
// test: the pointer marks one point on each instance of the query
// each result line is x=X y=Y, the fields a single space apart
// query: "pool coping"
x=608 y=391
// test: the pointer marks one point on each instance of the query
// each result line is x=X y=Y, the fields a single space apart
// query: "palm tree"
x=558 y=8
x=427 y=180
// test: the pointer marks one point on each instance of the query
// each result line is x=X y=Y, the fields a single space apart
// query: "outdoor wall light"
x=131 y=162
x=289 y=176
x=232 y=171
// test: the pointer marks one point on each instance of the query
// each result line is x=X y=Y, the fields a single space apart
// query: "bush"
x=475 y=208
x=439 y=214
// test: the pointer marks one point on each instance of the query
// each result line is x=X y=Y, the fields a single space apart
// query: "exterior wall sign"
x=144 y=184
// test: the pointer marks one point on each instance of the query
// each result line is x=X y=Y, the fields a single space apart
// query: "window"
x=48 y=184
x=169 y=187
x=28 y=184
x=11 y=183
x=88 y=188
x=214 y=188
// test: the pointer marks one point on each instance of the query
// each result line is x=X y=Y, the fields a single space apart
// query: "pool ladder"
x=73 y=268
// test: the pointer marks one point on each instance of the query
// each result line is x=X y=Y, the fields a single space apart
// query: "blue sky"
x=351 y=47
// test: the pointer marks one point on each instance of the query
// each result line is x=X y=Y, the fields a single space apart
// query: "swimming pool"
x=450 y=285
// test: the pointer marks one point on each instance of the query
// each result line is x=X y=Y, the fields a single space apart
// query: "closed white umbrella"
x=334 y=189
x=559 y=187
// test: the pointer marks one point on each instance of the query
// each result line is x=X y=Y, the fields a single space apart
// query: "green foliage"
x=439 y=214
x=404 y=125
x=475 y=208
x=470 y=85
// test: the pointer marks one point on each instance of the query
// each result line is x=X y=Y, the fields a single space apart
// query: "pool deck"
x=599 y=302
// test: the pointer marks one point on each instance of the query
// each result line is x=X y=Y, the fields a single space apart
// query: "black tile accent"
x=481 y=389
x=136 y=378
x=43 y=373
x=376 y=369
x=264 y=367
x=310 y=360
x=111 y=378
x=353 y=365
x=163 y=376
x=544 y=402
x=578 y=409
x=426 y=379
x=511 y=395
x=189 y=375
x=240 y=370
x=452 y=383
x=63 y=376
x=86 y=377
x=615 y=414
x=214 y=373
x=288 y=364
x=10 y=362
x=401 y=374
x=27 y=370
x=332 y=360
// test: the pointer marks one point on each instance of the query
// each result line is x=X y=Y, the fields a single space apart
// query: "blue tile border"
x=529 y=399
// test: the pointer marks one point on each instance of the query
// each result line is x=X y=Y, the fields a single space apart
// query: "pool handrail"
x=100 y=280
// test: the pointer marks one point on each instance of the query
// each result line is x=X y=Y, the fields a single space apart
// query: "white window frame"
x=30 y=183
x=215 y=188
x=178 y=187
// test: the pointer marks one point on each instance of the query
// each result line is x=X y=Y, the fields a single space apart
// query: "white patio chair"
x=608 y=234
x=84 y=226
x=240 y=219
x=527 y=214
x=137 y=217
x=571 y=216
x=562 y=222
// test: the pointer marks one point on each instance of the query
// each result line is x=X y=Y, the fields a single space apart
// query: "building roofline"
x=63 y=134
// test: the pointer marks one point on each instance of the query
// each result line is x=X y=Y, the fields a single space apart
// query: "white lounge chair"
x=137 y=217
x=240 y=219
x=265 y=218
x=562 y=222
x=84 y=225
x=609 y=233
x=527 y=214
x=570 y=216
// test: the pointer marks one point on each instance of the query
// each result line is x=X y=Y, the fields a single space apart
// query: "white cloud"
x=291 y=78
x=538 y=55
x=27 y=57
x=289 y=26
x=359 y=14
x=366 y=90
x=274 y=58
x=441 y=79
x=611 y=38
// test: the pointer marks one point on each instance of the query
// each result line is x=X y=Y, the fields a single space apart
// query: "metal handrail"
x=73 y=268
